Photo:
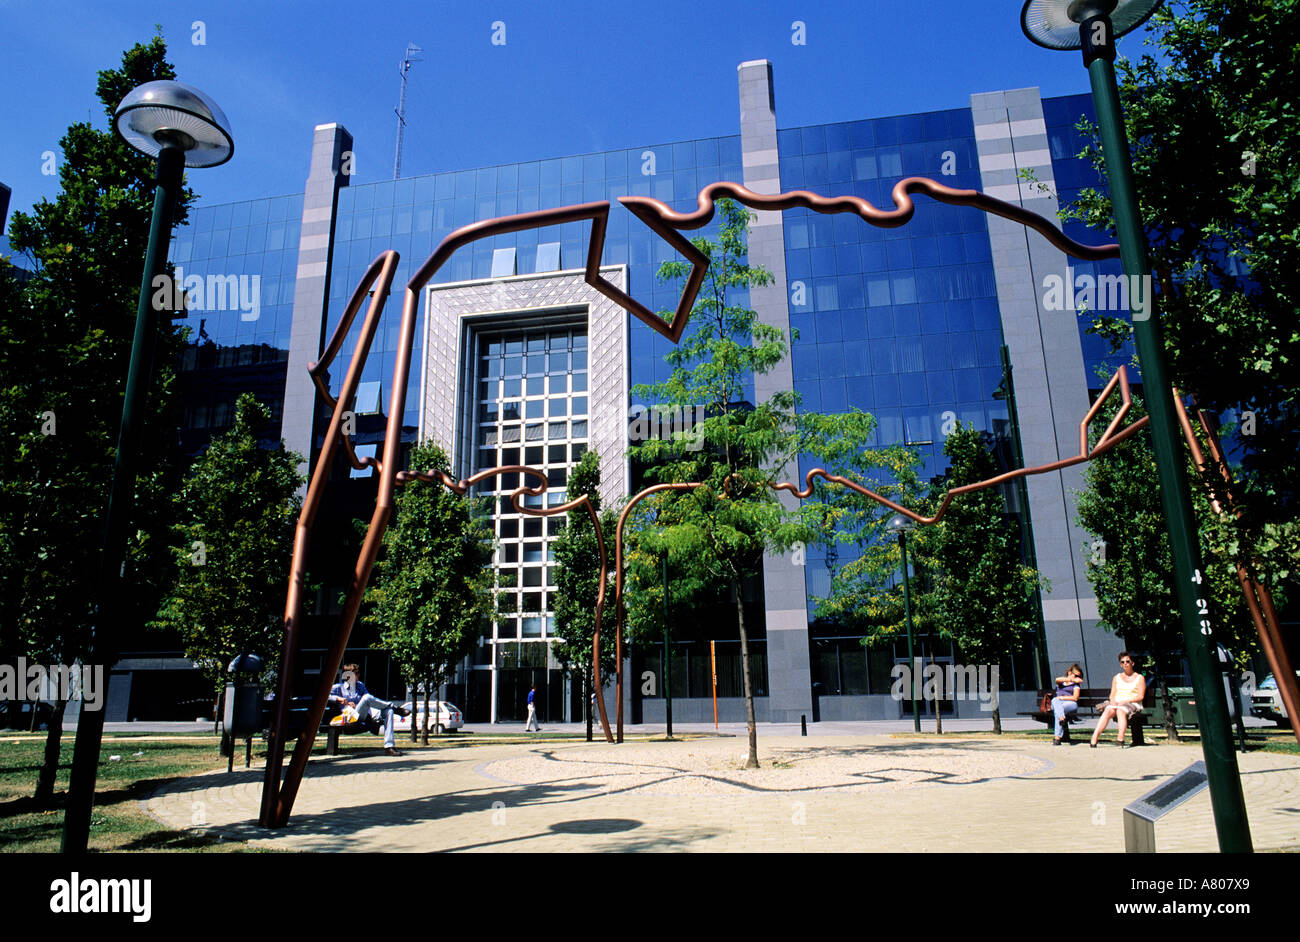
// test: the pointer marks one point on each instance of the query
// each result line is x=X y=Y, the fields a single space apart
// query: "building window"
x=524 y=409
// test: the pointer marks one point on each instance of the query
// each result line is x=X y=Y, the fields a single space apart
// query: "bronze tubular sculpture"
x=1259 y=601
x=278 y=796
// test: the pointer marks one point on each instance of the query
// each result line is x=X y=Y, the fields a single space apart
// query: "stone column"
x=308 y=334
x=785 y=593
x=1048 y=370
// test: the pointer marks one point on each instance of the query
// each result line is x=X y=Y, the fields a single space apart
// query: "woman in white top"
x=1127 y=690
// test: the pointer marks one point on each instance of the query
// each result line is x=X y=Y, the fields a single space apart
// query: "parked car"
x=1266 y=702
x=445 y=716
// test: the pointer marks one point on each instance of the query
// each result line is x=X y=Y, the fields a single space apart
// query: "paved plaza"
x=843 y=788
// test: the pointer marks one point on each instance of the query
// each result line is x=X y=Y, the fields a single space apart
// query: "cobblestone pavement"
x=841 y=793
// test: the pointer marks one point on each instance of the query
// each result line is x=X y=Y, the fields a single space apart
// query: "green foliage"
x=1129 y=564
x=1216 y=141
x=65 y=341
x=983 y=595
x=236 y=513
x=432 y=592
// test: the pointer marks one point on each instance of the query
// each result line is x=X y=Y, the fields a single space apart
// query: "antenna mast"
x=411 y=56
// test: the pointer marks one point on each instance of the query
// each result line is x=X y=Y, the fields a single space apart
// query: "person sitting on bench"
x=1066 y=701
x=1127 y=690
x=351 y=692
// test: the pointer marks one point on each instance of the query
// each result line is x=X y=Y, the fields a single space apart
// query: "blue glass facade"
x=412 y=216
x=902 y=323
x=233 y=350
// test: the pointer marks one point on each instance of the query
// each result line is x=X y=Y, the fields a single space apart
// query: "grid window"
x=529 y=386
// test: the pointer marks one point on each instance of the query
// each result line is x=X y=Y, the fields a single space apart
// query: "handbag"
x=1045 y=703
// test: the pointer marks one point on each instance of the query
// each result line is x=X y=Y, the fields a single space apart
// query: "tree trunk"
x=938 y=700
x=997 y=720
x=586 y=699
x=429 y=719
x=1171 y=731
x=751 y=762
x=415 y=712
x=50 y=766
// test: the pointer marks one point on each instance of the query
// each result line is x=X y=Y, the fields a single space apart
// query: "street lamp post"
x=900 y=524
x=668 y=660
x=1093 y=25
x=181 y=127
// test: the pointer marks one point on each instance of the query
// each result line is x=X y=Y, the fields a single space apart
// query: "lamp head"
x=158 y=114
x=1054 y=24
x=899 y=523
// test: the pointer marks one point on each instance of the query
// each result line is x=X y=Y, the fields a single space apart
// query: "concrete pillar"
x=789 y=688
x=307 y=335
x=1047 y=362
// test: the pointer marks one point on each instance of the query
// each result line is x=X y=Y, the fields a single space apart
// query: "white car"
x=445 y=716
x=1266 y=701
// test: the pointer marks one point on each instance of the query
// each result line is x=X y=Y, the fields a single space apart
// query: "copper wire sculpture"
x=277 y=795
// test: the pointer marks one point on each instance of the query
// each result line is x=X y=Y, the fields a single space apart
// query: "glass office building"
x=517 y=360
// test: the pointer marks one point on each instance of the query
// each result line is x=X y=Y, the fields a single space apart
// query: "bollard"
x=803 y=723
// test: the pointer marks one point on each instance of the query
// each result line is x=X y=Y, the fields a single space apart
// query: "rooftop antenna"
x=412 y=51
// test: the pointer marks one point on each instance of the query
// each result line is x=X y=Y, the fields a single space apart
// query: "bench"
x=1089 y=699
x=298 y=714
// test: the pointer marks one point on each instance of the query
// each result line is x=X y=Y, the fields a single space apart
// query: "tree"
x=65 y=340
x=1129 y=564
x=983 y=595
x=577 y=584
x=432 y=594
x=236 y=513
x=719 y=530
x=1216 y=139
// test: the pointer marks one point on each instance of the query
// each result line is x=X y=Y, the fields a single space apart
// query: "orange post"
x=713 y=664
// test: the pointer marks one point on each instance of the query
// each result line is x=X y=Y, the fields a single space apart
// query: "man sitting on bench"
x=351 y=692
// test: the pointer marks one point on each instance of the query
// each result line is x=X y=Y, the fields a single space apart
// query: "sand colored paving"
x=864 y=793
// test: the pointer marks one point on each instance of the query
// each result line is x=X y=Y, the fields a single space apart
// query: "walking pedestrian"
x=532 y=712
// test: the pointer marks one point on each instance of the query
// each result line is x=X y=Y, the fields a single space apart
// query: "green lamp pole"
x=181 y=127
x=900 y=525
x=1093 y=25
x=668 y=660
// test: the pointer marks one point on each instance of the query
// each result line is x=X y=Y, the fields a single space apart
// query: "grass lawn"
x=117 y=823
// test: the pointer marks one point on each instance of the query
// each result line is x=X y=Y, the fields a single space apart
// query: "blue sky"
x=571 y=77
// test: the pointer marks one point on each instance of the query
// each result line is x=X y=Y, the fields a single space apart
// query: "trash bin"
x=1183 y=707
x=242 y=714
